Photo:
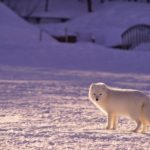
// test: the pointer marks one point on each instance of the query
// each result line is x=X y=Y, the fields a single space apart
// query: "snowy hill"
x=107 y=22
x=15 y=30
x=20 y=44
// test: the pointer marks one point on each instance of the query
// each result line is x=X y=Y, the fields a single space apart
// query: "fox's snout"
x=96 y=99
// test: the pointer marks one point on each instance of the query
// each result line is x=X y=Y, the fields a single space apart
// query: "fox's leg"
x=145 y=126
x=141 y=122
x=144 y=121
x=114 y=122
x=110 y=121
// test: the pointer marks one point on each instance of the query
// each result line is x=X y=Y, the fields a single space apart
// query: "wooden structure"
x=136 y=35
x=45 y=19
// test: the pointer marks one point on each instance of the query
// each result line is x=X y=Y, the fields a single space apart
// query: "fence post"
x=89 y=5
x=46 y=5
x=93 y=40
x=66 y=35
x=40 y=35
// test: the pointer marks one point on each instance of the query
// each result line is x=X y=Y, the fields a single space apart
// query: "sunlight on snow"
x=10 y=119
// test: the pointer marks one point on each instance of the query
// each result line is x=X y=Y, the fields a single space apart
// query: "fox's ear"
x=104 y=86
x=92 y=84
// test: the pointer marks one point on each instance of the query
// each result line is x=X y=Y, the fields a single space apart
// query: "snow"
x=107 y=23
x=27 y=50
x=44 y=84
x=143 y=47
x=15 y=30
x=49 y=109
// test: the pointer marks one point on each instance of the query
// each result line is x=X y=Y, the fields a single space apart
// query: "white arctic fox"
x=115 y=102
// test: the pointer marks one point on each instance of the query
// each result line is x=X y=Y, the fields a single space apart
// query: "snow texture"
x=44 y=85
x=49 y=109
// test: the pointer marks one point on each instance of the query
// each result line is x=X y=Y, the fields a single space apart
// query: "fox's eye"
x=100 y=94
x=94 y=94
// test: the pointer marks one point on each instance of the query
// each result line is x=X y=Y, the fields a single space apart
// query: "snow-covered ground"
x=44 y=89
x=46 y=109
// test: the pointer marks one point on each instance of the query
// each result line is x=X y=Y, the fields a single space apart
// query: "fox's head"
x=97 y=91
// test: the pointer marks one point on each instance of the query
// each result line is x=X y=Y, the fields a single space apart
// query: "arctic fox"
x=115 y=102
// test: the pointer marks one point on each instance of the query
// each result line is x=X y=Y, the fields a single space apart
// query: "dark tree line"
x=29 y=6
